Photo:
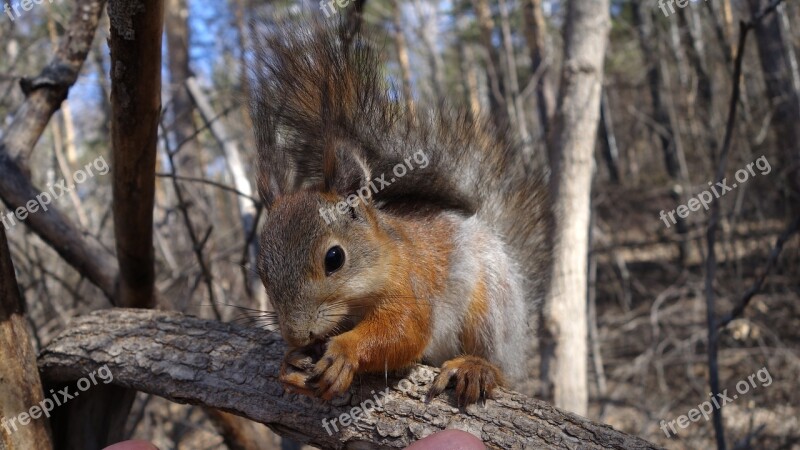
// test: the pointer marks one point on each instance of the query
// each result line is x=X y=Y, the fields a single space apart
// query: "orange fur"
x=471 y=342
x=422 y=261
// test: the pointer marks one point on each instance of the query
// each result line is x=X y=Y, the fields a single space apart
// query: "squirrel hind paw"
x=475 y=379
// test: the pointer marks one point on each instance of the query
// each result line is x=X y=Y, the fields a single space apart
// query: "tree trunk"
x=98 y=417
x=498 y=108
x=647 y=38
x=670 y=147
x=401 y=48
x=136 y=111
x=574 y=137
x=428 y=33
x=65 y=142
x=20 y=386
x=515 y=95
x=235 y=369
x=773 y=49
x=608 y=140
x=536 y=37
x=181 y=109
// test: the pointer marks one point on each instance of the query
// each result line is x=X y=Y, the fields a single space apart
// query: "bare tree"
x=779 y=73
x=498 y=105
x=181 y=109
x=44 y=95
x=401 y=48
x=136 y=111
x=536 y=37
x=515 y=95
x=574 y=137
x=662 y=120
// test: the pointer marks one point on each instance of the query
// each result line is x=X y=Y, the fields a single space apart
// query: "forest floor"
x=651 y=317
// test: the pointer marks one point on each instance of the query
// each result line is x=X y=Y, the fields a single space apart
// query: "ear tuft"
x=350 y=173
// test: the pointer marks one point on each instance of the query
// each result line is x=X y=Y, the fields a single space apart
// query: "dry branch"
x=46 y=91
x=189 y=360
x=44 y=96
x=86 y=256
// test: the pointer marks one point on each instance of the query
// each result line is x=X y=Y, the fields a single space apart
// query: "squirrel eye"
x=334 y=259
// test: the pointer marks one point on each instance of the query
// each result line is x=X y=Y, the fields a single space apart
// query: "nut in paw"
x=295 y=371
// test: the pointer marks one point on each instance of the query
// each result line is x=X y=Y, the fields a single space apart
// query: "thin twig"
x=197 y=246
x=246 y=251
x=210 y=183
x=737 y=311
x=711 y=263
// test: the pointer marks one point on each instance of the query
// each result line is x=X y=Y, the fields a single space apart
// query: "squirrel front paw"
x=476 y=378
x=334 y=373
x=295 y=372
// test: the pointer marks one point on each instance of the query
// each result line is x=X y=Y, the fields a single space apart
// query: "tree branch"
x=46 y=91
x=44 y=96
x=235 y=369
x=136 y=109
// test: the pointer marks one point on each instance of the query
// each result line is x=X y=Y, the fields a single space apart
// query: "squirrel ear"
x=351 y=173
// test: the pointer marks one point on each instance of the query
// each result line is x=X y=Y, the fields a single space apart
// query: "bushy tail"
x=310 y=88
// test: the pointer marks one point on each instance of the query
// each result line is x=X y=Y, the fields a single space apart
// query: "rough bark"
x=235 y=369
x=574 y=136
x=135 y=109
x=20 y=386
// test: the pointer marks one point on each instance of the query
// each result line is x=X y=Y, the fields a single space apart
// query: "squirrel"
x=442 y=266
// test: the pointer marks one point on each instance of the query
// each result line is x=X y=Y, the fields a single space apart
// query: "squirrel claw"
x=334 y=373
x=475 y=379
